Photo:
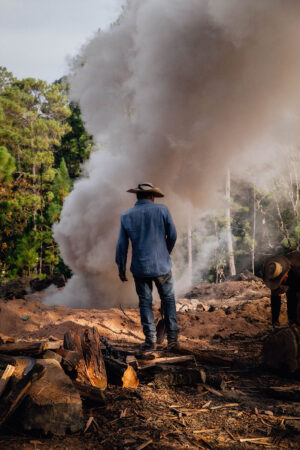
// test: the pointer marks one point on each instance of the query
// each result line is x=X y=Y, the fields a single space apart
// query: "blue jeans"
x=165 y=289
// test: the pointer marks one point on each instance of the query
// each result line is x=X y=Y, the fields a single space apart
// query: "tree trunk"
x=253 y=232
x=228 y=228
x=190 y=254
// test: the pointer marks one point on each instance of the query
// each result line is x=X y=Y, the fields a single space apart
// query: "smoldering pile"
x=174 y=95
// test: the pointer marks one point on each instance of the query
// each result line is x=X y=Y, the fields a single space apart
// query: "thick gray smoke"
x=174 y=93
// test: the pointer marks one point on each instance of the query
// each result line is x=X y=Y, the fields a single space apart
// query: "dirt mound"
x=237 y=290
x=232 y=308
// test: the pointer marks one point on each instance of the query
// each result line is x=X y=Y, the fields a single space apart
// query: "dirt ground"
x=231 y=320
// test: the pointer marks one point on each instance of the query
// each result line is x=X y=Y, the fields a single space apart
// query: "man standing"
x=152 y=233
x=280 y=271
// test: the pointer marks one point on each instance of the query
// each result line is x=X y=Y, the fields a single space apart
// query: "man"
x=280 y=271
x=152 y=233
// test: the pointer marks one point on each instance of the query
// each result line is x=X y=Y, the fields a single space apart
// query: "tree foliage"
x=34 y=119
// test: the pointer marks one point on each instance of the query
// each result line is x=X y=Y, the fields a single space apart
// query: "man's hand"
x=122 y=276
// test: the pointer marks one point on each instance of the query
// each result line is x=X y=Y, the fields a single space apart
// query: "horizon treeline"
x=43 y=144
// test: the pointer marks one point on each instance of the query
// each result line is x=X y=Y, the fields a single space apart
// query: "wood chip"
x=228 y=405
x=205 y=431
x=144 y=445
x=88 y=424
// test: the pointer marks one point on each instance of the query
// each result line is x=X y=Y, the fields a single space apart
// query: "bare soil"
x=235 y=323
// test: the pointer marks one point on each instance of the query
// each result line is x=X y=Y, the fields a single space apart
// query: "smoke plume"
x=174 y=93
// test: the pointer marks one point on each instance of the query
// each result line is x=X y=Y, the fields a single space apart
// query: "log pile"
x=44 y=382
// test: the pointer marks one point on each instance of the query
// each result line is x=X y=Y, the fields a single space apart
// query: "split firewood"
x=129 y=378
x=6 y=377
x=15 y=395
x=120 y=374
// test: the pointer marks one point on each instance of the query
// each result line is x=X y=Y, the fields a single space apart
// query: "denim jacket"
x=152 y=233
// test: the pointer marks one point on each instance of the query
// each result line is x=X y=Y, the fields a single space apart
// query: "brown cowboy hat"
x=274 y=270
x=147 y=187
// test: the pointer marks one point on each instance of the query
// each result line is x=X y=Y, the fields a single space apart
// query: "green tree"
x=76 y=145
x=7 y=165
x=33 y=119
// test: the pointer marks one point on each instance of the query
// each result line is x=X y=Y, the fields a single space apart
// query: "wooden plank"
x=5 y=377
x=170 y=360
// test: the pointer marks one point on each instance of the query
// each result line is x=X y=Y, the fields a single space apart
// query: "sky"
x=38 y=37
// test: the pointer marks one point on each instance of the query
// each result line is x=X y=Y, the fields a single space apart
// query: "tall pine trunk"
x=253 y=232
x=228 y=227
x=190 y=254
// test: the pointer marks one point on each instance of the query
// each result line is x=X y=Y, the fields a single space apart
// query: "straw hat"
x=147 y=187
x=274 y=270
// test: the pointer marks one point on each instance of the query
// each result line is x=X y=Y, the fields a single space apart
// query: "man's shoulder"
x=127 y=212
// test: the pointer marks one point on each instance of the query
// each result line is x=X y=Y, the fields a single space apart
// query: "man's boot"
x=147 y=346
x=172 y=344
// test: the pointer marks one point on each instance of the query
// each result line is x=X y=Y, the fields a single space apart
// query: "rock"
x=53 y=405
x=25 y=318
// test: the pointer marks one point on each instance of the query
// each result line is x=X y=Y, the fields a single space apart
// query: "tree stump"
x=281 y=350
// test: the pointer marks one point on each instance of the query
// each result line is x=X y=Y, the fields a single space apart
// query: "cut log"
x=164 y=376
x=212 y=357
x=281 y=351
x=23 y=348
x=84 y=358
x=5 y=377
x=16 y=394
x=52 y=404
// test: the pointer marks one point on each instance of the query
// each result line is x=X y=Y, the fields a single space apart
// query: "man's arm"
x=121 y=252
x=171 y=234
